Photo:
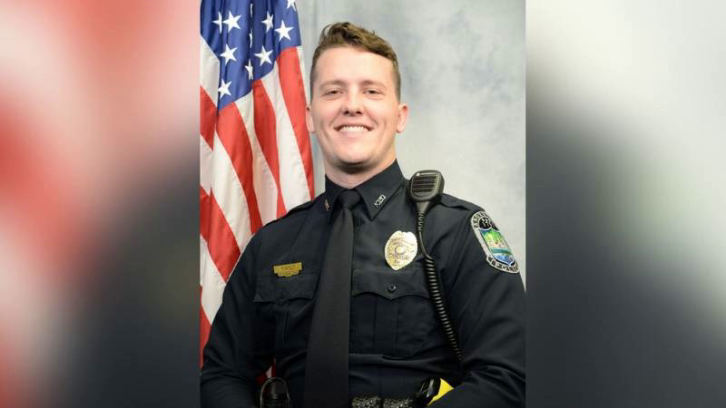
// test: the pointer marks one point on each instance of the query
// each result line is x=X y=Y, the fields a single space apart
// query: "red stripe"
x=293 y=91
x=207 y=113
x=203 y=214
x=204 y=328
x=233 y=134
x=222 y=245
x=265 y=127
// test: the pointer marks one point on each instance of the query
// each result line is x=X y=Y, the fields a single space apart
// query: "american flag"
x=256 y=160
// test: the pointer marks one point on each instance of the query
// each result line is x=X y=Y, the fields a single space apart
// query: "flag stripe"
x=206 y=164
x=209 y=70
x=204 y=328
x=207 y=116
x=214 y=229
x=233 y=135
x=229 y=193
x=293 y=184
x=212 y=282
x=267 y=136
x=264 y=182
x=293 y=90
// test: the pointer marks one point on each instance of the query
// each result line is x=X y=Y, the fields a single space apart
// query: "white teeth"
x=352 y=129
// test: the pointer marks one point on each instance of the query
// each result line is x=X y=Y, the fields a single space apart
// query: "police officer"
x=395 y=339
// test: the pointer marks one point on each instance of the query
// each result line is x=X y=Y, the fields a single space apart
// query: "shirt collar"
x=375 y=191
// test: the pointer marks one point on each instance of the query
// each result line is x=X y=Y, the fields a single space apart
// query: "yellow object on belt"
x=444 y=387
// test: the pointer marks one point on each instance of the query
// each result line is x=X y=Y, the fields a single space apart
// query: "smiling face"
x=355 y=113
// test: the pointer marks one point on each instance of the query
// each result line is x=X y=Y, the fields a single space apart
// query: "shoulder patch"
x=492 y=241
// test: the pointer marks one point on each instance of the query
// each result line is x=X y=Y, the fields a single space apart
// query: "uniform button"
x=391 y=288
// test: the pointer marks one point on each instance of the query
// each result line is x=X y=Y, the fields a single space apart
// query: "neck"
x=353 y=179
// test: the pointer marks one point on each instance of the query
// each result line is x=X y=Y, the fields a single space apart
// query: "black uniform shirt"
x=395 y=338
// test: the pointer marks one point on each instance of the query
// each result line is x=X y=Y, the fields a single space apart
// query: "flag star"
x=228 y=54
x=264 y=56
x=218 y=21
x=248 y=67
x=284 y=31
x=231 y=21
x=291 y=3
x=224 y=89
x=267 y=22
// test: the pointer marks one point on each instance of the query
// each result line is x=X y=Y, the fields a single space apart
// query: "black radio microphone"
x=425 y=189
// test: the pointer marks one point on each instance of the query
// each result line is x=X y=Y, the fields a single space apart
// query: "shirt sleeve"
x=239 y=348
x=487 y=308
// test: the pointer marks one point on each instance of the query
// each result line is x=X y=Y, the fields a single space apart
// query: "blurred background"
x=98 y=203
x=625 y=199
x=624 y=193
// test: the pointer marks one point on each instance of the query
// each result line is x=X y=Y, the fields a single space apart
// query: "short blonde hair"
x=345 y=34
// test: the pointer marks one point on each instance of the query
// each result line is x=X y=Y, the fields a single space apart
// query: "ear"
x=402 y=117
x=309 y=120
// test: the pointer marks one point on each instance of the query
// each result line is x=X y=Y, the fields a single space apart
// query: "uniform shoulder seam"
x=296 y=209
x=453 y=202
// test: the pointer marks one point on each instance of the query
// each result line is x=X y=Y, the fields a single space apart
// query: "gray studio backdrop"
x=463 y=76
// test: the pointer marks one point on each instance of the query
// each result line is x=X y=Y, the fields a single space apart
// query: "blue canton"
x=247 y=36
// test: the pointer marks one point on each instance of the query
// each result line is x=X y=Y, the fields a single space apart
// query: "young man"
x=367 y=332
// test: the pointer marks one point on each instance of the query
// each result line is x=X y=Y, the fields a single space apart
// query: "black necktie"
x=326 y=372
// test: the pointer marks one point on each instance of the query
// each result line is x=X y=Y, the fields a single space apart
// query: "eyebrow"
x=341 y=82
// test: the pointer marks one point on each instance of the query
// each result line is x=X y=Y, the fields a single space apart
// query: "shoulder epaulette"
x=294 y=210
x=453 y=202
x=302 y=206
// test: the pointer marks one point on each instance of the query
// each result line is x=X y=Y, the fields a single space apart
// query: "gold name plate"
x=287 y=270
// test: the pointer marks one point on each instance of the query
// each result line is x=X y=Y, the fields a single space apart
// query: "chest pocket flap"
x=390 y=284
x=275 y=289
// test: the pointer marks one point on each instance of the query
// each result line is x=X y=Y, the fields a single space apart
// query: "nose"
x=352 y=104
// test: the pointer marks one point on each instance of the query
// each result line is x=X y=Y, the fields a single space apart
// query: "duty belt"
x=378 y=402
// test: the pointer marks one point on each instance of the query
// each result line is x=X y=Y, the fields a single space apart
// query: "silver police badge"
x=497 y=251
x=400 y=249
